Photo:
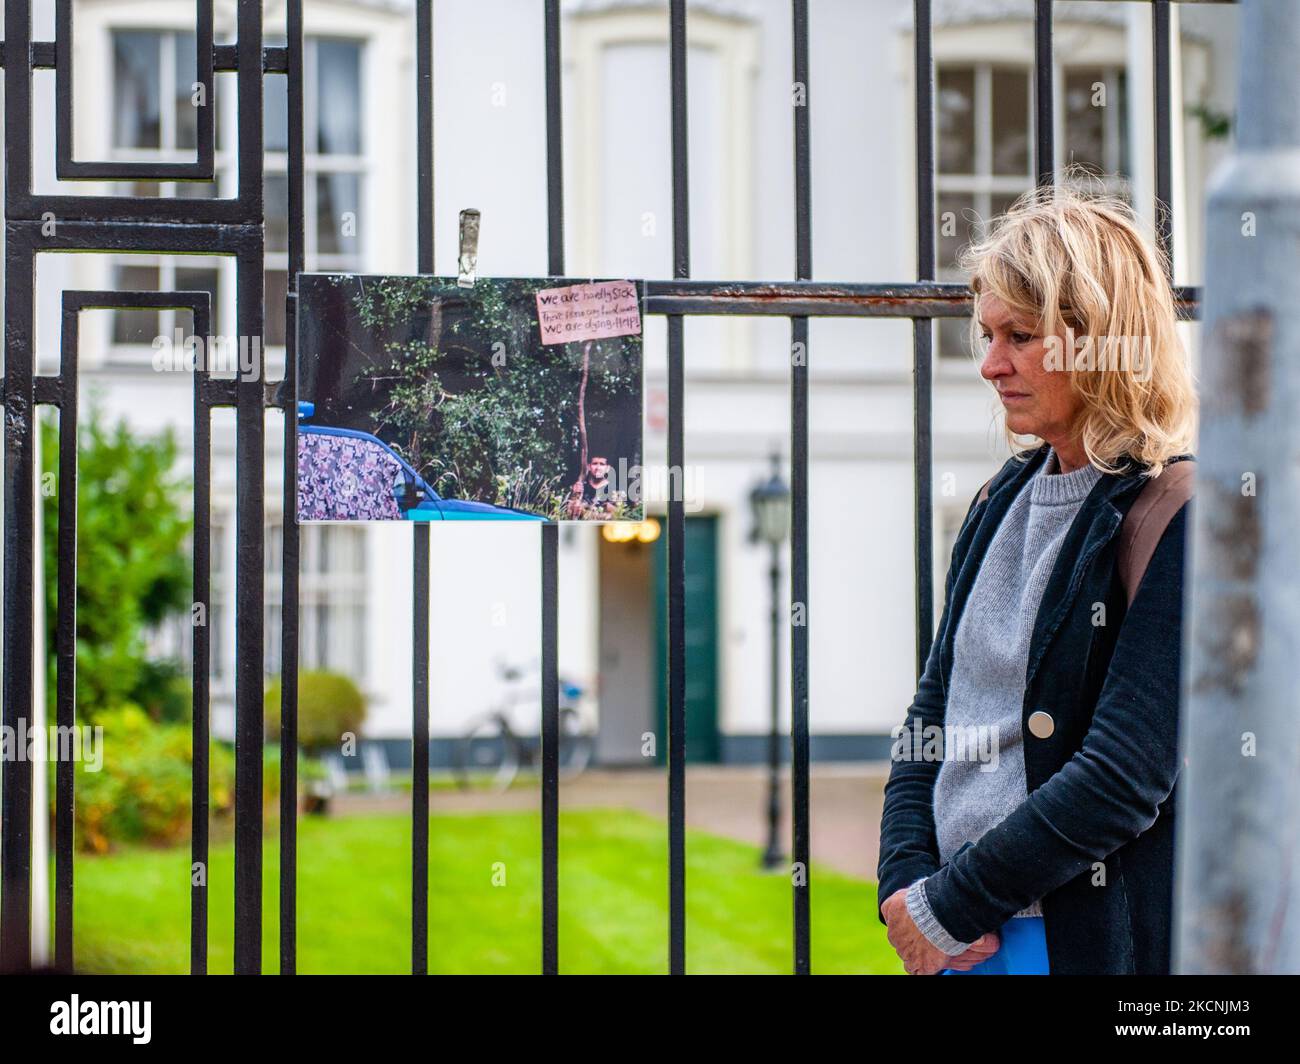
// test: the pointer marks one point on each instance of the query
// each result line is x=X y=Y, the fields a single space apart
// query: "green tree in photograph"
x=474 y=402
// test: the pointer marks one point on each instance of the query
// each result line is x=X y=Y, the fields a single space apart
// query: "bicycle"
x=491 y=754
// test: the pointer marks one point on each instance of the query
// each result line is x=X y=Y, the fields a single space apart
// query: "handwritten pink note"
x=588 y=312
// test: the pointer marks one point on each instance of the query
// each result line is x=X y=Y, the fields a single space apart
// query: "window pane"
x=196 y=189
x=337 y=200
x=954 y=338
x=1010 y=122
x=353 y=630
x=275 y=113
x=1086 y=100
x=322 y=657
x=136 y=111
x=217 y=643
x=276 y=192
x=1121 y=102
x=273 y=327
x=273 y=545
x=136 y=326
x=216 y=613
x=202 y=279
x=227 y=121
x=955 y=224
x=1001 y=203
x=271 y=652
x=307 y=537
x=955 y=123
x=350 y=557
x=338 y=97
x=187 y=115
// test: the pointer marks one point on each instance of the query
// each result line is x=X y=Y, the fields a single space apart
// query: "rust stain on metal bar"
x=907 y=304
x=883 y=294
x=1244 y=343
x=808 y=297
x=1239 y=385
x=1228 y=950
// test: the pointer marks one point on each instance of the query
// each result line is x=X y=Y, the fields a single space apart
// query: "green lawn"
x=132 y=907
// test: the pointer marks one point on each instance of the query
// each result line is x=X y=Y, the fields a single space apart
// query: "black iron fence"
x=37 y=224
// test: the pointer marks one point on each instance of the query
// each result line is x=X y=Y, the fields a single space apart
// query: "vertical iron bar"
x=1044 y=146
x=19 y=547
x=1162 y=74
x=200 y=868
x=676 y=508
x=554 y=143
x=550 y=749
x=19 y=524
x=249 y=579
x=250 y=477
x=799 y=514
x=65 y=641
x=420 y=534
x=923 y=333
x=289 y=574
x=550 y=538
x=774 y=855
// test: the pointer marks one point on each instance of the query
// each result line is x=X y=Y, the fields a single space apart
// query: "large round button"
x=1041 y=724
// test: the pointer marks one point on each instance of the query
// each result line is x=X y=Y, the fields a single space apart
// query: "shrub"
x=142 y=791
x=329 y=705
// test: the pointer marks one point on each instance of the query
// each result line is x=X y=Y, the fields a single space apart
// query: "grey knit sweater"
x=987 y=688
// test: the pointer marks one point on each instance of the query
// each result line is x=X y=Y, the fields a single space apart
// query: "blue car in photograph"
x=349 y=475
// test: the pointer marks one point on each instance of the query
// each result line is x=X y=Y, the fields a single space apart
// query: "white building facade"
x=134 y=63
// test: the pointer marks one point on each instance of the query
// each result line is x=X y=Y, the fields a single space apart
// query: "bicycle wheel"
x=576 y=745
x=486 y=755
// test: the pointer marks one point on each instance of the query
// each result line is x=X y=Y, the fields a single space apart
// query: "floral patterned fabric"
x=342 y=478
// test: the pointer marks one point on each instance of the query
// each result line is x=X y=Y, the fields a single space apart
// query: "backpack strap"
x=1147 y=519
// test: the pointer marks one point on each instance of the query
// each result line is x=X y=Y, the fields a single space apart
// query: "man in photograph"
x=592 y=495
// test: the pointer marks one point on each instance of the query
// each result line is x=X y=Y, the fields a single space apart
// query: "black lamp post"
x=770 y=505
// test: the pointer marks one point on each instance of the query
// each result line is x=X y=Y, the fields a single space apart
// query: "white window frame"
x=137 y=354
x=387 y=194
x=335 y=591
x=983 y=184
x=342 y=594
x=316 y=164
x=735 y=41
x=1107 y=40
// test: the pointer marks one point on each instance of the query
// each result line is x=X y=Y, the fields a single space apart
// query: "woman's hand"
x=918 y=954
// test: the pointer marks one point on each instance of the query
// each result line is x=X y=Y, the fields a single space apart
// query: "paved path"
x=845 y=802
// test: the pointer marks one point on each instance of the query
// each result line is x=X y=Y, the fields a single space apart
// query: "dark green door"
x=701 y=640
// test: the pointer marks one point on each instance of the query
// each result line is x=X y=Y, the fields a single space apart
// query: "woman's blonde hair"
x=1074 y=259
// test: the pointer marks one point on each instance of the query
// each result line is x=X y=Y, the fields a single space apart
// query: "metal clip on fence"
x=468 y=262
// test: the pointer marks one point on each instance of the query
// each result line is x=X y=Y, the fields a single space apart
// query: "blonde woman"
x=1055 y=856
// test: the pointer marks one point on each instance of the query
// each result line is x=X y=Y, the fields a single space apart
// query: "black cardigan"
x=1094 y=838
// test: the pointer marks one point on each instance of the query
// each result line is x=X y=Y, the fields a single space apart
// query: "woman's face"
x=1038 y=401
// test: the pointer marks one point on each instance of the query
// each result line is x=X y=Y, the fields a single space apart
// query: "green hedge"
x=142 y=791
x=329 y=706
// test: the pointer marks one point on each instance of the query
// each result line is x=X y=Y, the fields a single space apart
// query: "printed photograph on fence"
x=513 y=399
